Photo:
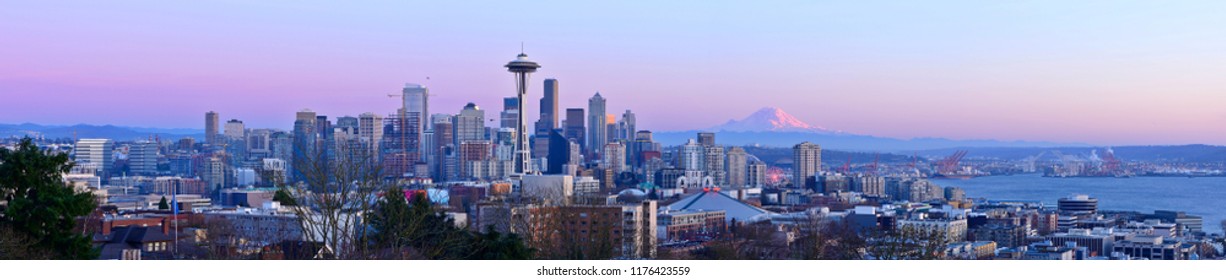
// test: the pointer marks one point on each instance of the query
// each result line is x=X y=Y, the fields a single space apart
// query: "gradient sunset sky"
x=1100 y=72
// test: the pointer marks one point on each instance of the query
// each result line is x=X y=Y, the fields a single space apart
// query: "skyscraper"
x=596 y=123
x=549 y=109
x=575 y=130
x=706 y=138
x=416 y=109
x=510 y=112
x=559 y=153
x=143 y=158
x=235 y=130
x=469 y=124
x=304 y=138
x=614 y=157
x=626 y=126
x=713 y=164
x=691 y=155
x=211 y=126
x=806 y=161
x=737 y=169
x=370 y=129
x=642 y=146
x=756 y=173
x=444 y=143
x=96 y=153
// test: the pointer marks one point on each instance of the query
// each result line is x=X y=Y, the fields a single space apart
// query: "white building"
x=98 y=152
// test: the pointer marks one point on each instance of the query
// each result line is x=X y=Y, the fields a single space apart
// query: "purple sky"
x=1109 y=72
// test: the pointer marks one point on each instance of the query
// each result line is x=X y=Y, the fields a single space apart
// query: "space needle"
x=522 y=67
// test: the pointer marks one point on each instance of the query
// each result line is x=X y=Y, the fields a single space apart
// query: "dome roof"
x=631 y=195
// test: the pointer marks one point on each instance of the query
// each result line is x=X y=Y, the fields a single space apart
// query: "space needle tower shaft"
x=522 y=68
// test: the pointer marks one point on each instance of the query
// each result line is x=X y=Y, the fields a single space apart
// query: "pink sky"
x=1132 y=73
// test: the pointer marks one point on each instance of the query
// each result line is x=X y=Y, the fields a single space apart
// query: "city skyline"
x=904 y=71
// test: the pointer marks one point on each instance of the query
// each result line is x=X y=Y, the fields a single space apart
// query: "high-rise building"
x=370 y=130
x=575 y=129
x=235 y=130
x=416 y=109
x=643 y=142
x=143 y=158
x=549 y=109
x=444 y=146
x=691 y=155
x=713 y=164
x=806 y=162
x=470 y=124
x=706 y=138
x=510 y=112
x=626 y=127
x=211 y=125
x=559 y=153
x=756 y=173
x=737 y=167
x=304 y=143
x=615 y=157
x=96 y=153
x=597 y=121
x=348 y=123
x=470 y=152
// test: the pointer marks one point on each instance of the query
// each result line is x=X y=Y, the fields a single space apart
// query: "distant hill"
x=119 y=133
x=1181 y=153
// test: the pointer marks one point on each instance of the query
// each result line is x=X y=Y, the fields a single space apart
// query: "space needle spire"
x=522 y=68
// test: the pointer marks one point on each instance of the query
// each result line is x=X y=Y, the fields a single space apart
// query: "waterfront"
x=1200 y=196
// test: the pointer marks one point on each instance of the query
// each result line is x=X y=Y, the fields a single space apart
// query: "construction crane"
x=873 y=168
x=949 y=164
x=847 y=165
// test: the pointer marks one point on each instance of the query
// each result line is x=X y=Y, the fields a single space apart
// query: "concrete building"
x=615 y=157
x=212 y=126
x=370 y=130
x=737 y=167
x=806 y=162
x=690 y=225
x=953 y=229
x=235 y=130
x=469 y=124
x=691 y=156
x=713 y=164
x=756 y=176
x=143 y=158
x=1100 y=243
x=96 y=152
x=551 y=188
x=1155 y=248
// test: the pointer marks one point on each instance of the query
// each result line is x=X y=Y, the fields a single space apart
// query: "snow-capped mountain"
x=770 y=119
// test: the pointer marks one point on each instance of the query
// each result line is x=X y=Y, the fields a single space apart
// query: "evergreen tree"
x=283 y=196
x=163 y=205
x=39 y=205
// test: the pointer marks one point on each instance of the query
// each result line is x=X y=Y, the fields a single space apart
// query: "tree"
x=335 y=187
x=284 y=197
x=163 y=205
x=39 y=205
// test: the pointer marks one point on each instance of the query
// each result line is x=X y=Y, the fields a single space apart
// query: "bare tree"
x=824 y=239
x=907 y=243
x=333 y=192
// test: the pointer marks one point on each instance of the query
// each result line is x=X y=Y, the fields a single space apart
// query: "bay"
x=1201 y=196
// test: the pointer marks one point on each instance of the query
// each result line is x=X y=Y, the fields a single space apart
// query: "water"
x=1202 y=196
